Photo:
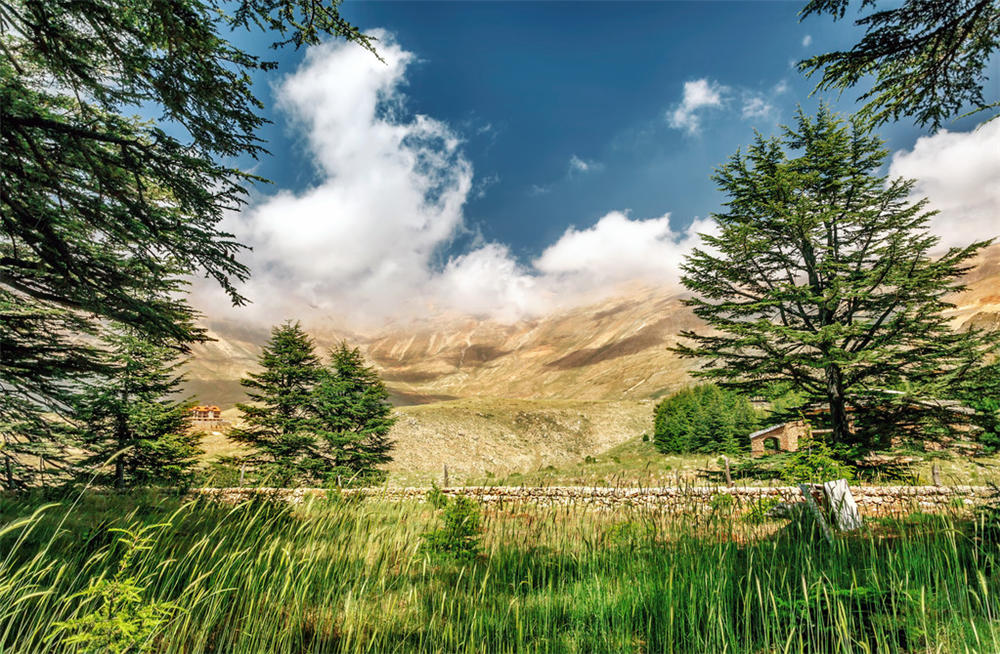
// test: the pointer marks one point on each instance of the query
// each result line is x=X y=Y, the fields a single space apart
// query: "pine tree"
x=353 y=417
x=33 y=445
x=278 y=419
x=821 y=277
x=102 y=215
x=929 y=58
x=704 y=419
x=130 y=416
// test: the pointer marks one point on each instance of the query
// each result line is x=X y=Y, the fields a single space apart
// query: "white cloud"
x=484 y=183
x=488 y=281
x=756 y=106
x=391 y=193
x=960 y=173
x=807 y=40
x=617 y=249
x=364 y=243
x=576 y=164
x=698 y=95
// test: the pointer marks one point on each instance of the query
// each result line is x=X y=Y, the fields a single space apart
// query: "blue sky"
x=554 y=116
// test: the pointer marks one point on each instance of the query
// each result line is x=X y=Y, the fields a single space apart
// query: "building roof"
x=766 y=430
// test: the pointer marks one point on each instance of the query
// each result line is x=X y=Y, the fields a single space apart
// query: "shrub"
x=458 y=538
x=436 y=496
x=123 y=621
x=704 y=419
x=759 y=510
x=814 y=462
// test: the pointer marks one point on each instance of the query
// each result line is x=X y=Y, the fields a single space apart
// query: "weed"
x=123 y=621
x=458 y=537
x=760 y=509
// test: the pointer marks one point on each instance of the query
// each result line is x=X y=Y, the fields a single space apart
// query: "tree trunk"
x=838 y=405
x=122 y=434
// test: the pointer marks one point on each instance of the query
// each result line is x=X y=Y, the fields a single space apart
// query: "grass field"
x=337 y=576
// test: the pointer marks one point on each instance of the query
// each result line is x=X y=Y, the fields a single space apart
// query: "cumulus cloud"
x=960 y=174
x=807 y=40
x=365 y=243
x=617 y=249
x=391 y=190
x=698 y=95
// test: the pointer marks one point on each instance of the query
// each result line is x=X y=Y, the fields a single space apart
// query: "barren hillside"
x=611 y=350
x=486 y=398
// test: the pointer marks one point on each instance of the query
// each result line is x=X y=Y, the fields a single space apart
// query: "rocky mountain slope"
x=616 y=349
x=490 y=399
x=611 y=350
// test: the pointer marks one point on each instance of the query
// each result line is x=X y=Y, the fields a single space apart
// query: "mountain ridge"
x=609 y=350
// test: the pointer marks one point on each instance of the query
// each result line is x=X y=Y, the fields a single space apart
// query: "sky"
x=508 y=159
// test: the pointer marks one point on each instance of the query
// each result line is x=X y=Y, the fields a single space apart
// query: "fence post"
x=729 y=477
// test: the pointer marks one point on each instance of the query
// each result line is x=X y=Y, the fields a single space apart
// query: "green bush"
x=123 y=621
x=704 y=419
x=814 y=462
x=458 y=537
x=436 y=496
x=759 y=510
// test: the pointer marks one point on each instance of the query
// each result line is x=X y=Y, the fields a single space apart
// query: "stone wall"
x=872 y=500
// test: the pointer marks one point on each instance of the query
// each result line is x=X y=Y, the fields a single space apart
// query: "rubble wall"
x=872 y=500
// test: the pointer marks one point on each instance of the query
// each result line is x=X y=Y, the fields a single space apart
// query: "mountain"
x=979 y=305
x=610 y=350
x=489 y=399
x=615 y=349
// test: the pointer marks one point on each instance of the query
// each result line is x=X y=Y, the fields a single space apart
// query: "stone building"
x=783 y=438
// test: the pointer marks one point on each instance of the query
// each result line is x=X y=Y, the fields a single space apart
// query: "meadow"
x=339 y=575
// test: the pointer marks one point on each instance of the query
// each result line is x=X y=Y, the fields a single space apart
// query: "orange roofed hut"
x=206 y=413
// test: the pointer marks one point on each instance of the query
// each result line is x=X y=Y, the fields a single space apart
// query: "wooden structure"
x=785 y=437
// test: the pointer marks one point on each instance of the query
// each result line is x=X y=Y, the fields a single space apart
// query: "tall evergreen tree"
x=929 y=58
x=278 y=419
x=130 y=416
x=353 y=416
x=821 y=277
x=101 y=214
x=33 y=445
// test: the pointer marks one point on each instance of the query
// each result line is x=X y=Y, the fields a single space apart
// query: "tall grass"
x=340 y=576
